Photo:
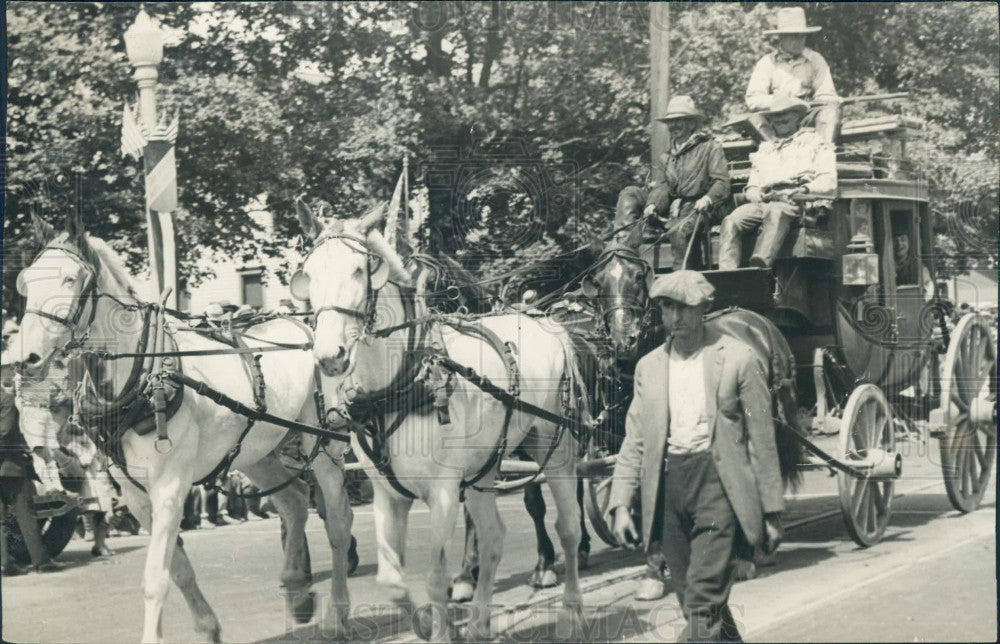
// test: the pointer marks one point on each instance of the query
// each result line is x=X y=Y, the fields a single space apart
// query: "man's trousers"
x=678 y=227
x=775 y=220
x=699 y=542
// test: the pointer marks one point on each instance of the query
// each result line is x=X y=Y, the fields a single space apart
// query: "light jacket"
x=740 y=417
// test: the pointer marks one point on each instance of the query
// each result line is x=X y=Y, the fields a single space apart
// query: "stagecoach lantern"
x=860 y=261
x=144 y=41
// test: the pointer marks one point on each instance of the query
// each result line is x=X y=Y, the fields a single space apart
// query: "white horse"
x=77 y=289
x=350 y=272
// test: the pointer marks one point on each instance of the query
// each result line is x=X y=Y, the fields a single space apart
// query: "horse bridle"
x=367 y=316
x=88 y=293
x=619 y=303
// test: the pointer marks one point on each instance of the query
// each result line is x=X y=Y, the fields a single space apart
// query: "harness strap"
x=277 y=488
x=203 y=389
x=380 y=461
x=107 y=355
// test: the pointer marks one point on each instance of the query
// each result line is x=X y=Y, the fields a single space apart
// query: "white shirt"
x=806 y=76
x=689 y=431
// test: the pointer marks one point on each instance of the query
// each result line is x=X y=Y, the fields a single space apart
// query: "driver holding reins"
x=689 y=182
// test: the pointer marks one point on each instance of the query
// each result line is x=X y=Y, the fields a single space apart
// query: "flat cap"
x=687 y=287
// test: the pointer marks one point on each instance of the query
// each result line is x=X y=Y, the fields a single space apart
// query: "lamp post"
x=144 y=48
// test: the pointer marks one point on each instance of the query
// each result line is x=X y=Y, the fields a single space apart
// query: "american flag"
x=133 y=141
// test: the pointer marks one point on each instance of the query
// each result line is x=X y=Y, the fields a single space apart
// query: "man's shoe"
x=651 y=589
x=49 y=566
x=13 y=570
x=101 y=552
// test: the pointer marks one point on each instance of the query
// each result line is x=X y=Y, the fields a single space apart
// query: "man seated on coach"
x=793 y=70
x=690 y=181
x=798 y=162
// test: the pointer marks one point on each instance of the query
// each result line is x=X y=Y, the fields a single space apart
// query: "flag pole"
x=405 y=236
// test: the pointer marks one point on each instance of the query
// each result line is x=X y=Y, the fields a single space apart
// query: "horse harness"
x=154 y=390
x=424 y=380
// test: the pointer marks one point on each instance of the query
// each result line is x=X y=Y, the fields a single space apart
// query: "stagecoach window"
x=904 y=247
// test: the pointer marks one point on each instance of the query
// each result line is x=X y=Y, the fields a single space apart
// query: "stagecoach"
x=853 y=292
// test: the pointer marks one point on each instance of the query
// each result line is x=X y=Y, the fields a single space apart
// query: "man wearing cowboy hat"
x=699 y=448
x=795 y=71
x=691 y=179
x=797 y=162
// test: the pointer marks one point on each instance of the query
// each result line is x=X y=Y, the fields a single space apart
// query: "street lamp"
x=144 y=48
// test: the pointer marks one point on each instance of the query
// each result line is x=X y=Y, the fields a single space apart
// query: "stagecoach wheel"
x=969 y=387
x=865 y=504
x=596 y=491
x=56 y=533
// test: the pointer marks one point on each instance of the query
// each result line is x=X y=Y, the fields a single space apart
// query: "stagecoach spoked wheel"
x=865 y=503
x=596 y=491
x=969 y=389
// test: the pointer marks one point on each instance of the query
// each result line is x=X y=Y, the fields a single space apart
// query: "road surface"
x=931 y=579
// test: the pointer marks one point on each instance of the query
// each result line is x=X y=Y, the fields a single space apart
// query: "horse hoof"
x=744 y=570
x=477 y=632
x=462 y=592
x=583 y=559
x=352 y=557
x=335 y=625
x=423 y=622
x=544 y=578
x=304 y=608
x=650 y=590
x=211 y=629
x=569 y=624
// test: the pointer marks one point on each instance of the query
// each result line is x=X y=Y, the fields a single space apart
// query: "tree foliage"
x=525 y=119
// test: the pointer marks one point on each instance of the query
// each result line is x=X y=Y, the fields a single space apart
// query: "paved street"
x=932 y=578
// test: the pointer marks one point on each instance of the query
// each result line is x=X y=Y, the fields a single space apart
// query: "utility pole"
x=659 y=76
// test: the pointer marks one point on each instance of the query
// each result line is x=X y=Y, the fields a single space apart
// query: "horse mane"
x=111 y=264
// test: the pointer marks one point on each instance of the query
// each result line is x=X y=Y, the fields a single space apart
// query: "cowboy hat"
x=782 y=104
x=687 y=287
x=791 y=20
x=681 y=107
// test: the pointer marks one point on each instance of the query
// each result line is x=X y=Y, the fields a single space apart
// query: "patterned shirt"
x=806 y=76
x=804 y=153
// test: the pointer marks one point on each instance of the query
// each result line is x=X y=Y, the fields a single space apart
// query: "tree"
x=535 y=112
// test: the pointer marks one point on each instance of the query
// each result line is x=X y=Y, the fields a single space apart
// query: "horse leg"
x=181 y=571
x=563 y=484
x=166 y=495
x=391 y=517
x=482 y=507
x=464 y=585
x=293 y=506
x=544 y=576
x=584 y=552
x=444 y=505
x=330 y=476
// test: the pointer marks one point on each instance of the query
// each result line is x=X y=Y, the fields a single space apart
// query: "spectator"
x=16 y=487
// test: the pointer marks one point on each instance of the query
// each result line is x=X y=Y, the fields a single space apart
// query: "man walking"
x=699 y=447
x=690 y=182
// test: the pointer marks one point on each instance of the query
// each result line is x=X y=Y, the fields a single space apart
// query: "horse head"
x=59 y=286
x=352 y=262
x=619 y=287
